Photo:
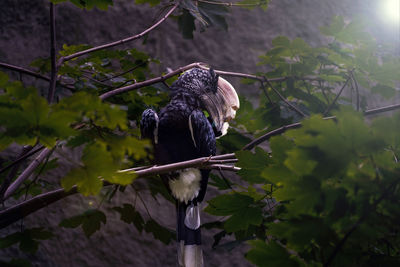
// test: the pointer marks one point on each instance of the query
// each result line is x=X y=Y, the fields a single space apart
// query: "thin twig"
x=149 y=82
x=268 y=135
x=284 y=99
x=119 y=42
x=13 y=172
x=284 y=128
x=21 y=158
x=337 y=96
x=265 y=92
x=54 y=67
x=25 y=71
x=125 y=72
x=357 y=90
x=27 y=172
x=230 y=4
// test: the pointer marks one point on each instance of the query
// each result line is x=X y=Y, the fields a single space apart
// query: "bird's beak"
x=222 y=106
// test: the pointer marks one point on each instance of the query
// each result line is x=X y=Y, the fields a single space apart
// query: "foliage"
x=324 y=194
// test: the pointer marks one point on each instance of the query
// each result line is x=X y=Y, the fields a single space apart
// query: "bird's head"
x=217 y=96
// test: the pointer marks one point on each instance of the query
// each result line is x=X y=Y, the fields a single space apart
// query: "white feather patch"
x=187 y=186
x=190 y=255
x=155 y=132
x=192 y=218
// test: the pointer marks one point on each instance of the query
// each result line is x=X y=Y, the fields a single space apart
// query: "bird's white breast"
x=187 y=186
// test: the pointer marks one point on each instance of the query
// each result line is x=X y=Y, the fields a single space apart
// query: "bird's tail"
x=190 y=253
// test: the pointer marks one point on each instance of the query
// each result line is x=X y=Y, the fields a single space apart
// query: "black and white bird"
x=201 y=105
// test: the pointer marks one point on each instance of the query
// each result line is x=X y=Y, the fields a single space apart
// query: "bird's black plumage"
x=182 y=132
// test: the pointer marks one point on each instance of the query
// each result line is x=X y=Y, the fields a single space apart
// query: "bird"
x=201 y=105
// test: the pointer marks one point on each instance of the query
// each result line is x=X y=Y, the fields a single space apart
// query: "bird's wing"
x=149 y=125
x=202 y=134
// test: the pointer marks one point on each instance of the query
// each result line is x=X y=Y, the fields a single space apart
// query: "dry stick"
x=337 y=96
x=119 y=42
x=27 y=172
x=149 y=82
x=54 y=67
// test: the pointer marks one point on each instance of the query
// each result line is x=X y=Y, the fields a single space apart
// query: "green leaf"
x=242 y=208
x=252 y=165
x=130 y=215
x=90 y=221
x=159 y=232
x=3 y=79
x=27 y=239
x=298 y=162
x=220 y=183
x=150 y=2
x=186 y=24
x=272 y=254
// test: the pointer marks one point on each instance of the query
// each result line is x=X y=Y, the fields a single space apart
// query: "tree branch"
x=27 y=172
x=23 y=70
x=13 y=172
x=54 y=67
x=23 y=209
x=119 y=42
x=149 y=82
x=283 y=129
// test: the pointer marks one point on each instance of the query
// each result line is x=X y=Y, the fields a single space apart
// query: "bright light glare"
x=391 y=9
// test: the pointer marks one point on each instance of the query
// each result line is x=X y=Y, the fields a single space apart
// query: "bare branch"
x=119 y=42
x=382 y=109
x=23 y=209
x=27 y=172
x=25 y=71
x=149 y=82
x=54 y=67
